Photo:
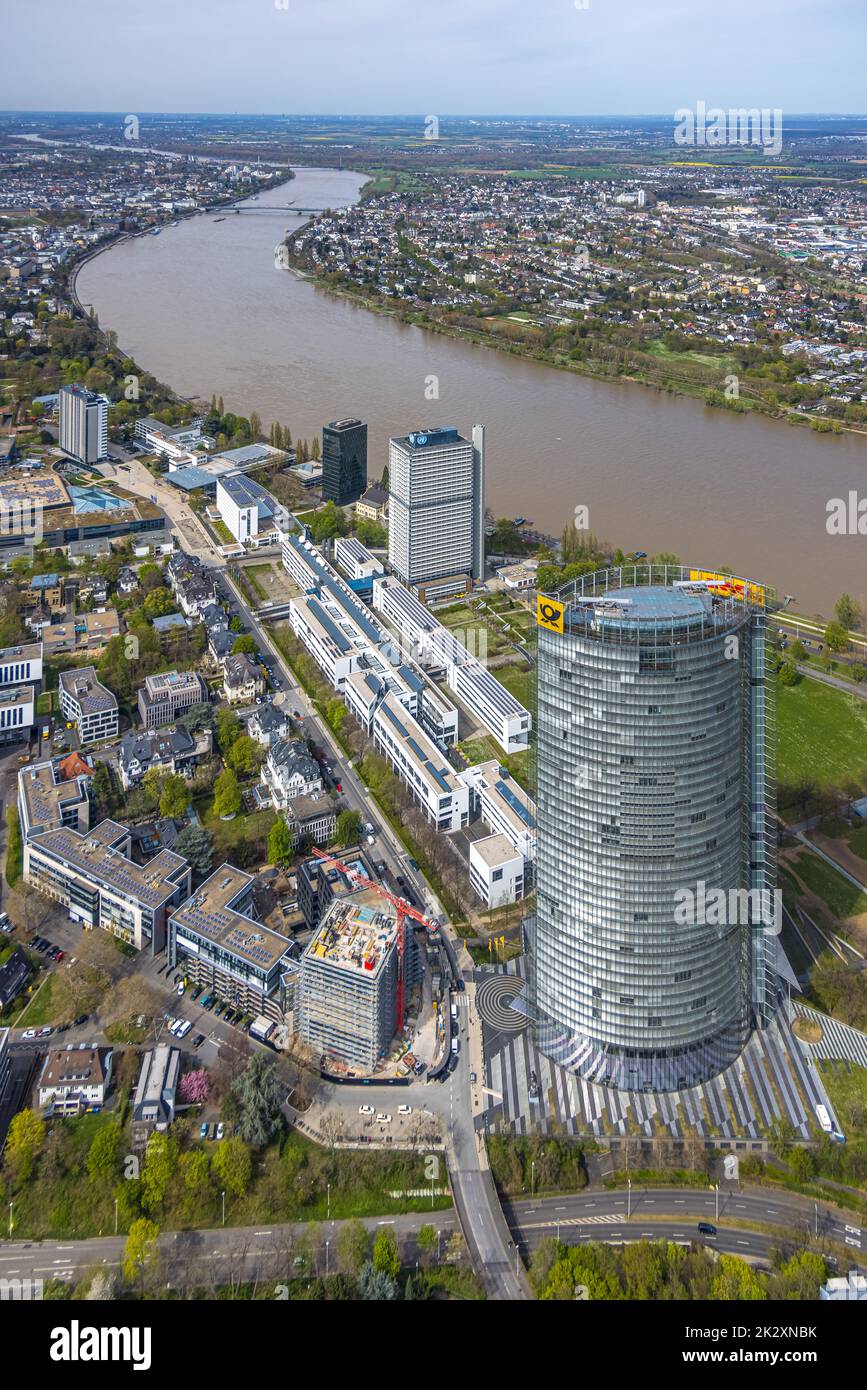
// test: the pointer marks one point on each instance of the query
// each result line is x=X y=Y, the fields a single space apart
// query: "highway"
x=229 y=1254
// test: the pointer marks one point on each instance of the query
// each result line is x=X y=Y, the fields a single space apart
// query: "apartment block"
x=48 y=800
x=93 y=876
x=223 y=948
x=88 y=705
x=167 y=695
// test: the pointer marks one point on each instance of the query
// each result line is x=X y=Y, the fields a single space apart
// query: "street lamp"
x=533 y=1176
x=223 y=1195
x=10 y=1220
x=628 y=1198
x=716 y=1196
x=327 y=1245
x=329 y=1201
x=115 y=1216
x=439 y=1233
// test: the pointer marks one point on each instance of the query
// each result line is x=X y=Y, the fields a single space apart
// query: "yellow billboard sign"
x=730 y=584
x=550 y=613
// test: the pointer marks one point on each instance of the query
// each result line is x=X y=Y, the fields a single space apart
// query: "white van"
x=455 y=1046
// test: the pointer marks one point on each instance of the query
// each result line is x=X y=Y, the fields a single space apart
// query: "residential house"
x=268 y=725
x=174 y=750
x=289 y=771
x=242 y=679
x=74 y=1078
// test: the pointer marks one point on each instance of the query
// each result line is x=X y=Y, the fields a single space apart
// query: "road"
x=473 y=1189
x=229 y=1253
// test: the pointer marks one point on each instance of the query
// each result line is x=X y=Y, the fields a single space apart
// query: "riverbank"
x=668 y=382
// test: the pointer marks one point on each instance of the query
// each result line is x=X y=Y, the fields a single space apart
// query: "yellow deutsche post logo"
x=549 y=613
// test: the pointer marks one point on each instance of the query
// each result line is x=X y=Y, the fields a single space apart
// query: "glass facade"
x=654 y=792
x=344 y=461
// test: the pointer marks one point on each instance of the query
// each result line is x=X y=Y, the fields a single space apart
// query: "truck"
x=261 y=1029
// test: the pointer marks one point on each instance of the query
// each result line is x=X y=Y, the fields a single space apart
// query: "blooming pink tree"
x=194 y=1087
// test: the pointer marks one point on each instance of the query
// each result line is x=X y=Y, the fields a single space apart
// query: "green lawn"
x=41 y=1009
x=723 y=363
x=228 y=834
x=842 y=897
x=847 y=1091
x=822 y=735
x=519 y=681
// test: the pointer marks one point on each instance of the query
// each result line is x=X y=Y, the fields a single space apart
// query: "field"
x=842 y=897
x=822 y=736
x=723 y=364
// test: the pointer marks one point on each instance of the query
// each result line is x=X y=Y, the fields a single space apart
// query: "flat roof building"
x=436 y=509
x=47 y=801
x=93 y=876
x=168 y=694
x=83 y=424
x=348 y=988
x=656 y=789
x=225 y=949
x=418 y=762
x=344 y=461
x=85 y=702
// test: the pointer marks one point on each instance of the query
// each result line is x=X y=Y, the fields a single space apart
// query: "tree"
x=259 y=1094
x=228 y=727
x=160 y=1162
x=836 y=637
x=158 y=603
x=281 y=843
x=196 y=846
x=847 y=612
x=24 y=1143
x=348 y=827
x=427 y=1242
x=103 y=1152
x=194 y=1087
x=246 y=755
x=227 y=795
x=386 y=1259
x=789 y=674
x=245 y=644
x=174 y=796
x=736 y=1281
x=802 y=1163
x=353 y=1247
x=377 y=1286
x=233 y=1165
x=141 y=1250
x=196 y=718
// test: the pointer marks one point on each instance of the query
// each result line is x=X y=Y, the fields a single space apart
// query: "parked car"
x=82 y=1018
x=29 y=1033
x=203 y=1132
x=365 y=1109
x=382 y=1119
x=404 y=1110
x=181 y=987
x=221 y=1129
x=198 y=1040
x=45 y=1032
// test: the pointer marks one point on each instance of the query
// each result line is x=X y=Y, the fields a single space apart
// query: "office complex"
x=83 y=424
x=95 y=879
x=247 y=509
x=436 y=510
x=655 y=789
x=348 y=988
x=54 y=794
x=169 y=694
x=87 y=704
x=223 y=948
x=344 y=461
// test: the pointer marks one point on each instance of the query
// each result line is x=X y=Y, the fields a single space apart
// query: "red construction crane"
x=404 y=910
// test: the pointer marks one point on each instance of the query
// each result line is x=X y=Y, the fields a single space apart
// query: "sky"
x=390 y=57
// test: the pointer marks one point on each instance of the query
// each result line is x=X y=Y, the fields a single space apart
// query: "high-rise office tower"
x=344 y=461
x=436 y=529
x=83 y=424
x=653 y=948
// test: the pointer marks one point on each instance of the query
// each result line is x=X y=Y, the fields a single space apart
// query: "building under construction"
x=349 y=981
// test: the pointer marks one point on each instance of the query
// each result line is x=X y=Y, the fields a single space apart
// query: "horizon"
x=622 y=56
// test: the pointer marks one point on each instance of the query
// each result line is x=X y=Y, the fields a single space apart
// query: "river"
x=204 y=307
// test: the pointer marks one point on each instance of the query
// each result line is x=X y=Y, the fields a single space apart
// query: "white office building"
x=436 y=648
x=83 y=424
x=87 y=704
x=503 y=805
x=19 y=665
x=247 y=510
x=418 y=763
x=356 y=560
x=436 y=510
x=496 y=871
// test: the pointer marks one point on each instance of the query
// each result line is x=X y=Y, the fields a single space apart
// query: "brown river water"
x=205 y=308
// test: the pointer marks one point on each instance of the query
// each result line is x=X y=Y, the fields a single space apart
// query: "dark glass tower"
x=344 y=461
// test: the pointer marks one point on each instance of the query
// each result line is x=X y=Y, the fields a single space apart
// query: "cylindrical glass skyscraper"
x=655 y=792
